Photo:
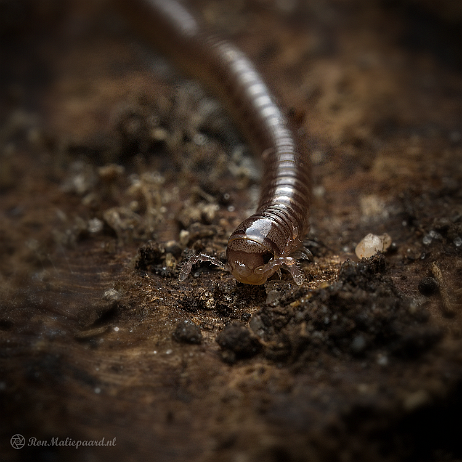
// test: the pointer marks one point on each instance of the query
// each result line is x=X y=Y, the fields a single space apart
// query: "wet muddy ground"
x=114 y=168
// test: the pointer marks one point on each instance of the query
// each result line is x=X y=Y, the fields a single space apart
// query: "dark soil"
x=113 y=169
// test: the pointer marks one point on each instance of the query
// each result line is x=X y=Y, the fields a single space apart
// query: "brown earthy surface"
x=111 y=166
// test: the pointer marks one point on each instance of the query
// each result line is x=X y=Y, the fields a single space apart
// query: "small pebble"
x=95 y=225
x=187 y=332
x=112 y=295
x=184 y=237
x=428 y=286
x=415 y=400
x=358 y=344
x=372 y=244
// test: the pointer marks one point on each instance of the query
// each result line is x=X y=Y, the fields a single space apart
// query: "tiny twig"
x=448 y=306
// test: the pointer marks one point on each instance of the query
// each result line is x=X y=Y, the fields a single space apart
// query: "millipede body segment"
x=267 y=240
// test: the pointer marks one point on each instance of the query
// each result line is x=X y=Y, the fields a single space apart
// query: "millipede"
x=272 y=237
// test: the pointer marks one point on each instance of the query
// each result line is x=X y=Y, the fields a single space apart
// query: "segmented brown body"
x=266 y=240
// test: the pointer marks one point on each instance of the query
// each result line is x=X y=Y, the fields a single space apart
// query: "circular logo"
x=17 y=441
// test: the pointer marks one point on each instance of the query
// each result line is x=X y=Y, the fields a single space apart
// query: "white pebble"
x=184 y=237
x=427 y=239
x=112 y=295
x=95 y=225
x=372 y=244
